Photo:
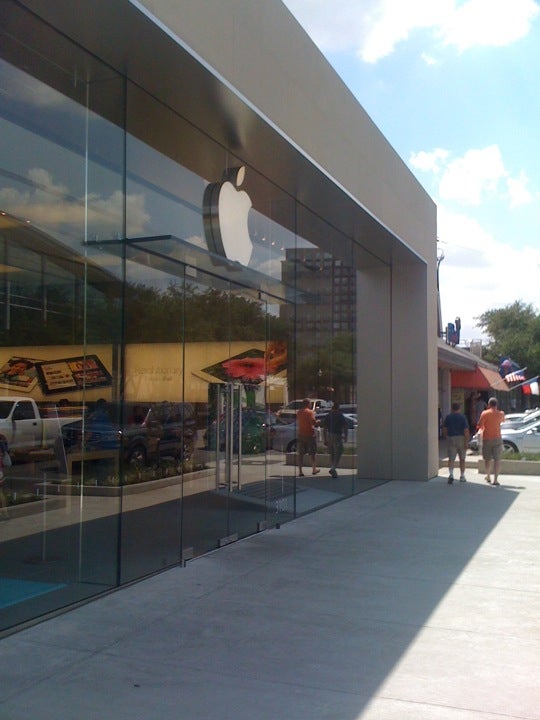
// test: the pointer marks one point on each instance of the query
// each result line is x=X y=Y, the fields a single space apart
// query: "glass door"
x=199 y=342
x=229 y=430
x=225 y=374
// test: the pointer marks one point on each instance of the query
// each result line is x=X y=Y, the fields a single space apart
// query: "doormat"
x=16 y=591
x=266 y=491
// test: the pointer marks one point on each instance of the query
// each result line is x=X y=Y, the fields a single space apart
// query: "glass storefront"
x=142 y=373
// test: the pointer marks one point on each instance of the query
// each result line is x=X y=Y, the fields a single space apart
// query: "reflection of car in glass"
x=284 y=436
x=27 y=427
x=257 y=431
x=149 y=430
x=285 y=439
x=290 y=410
x=352 y=420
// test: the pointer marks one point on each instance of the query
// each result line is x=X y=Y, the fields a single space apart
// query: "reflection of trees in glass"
x=174 y=316
x=330 y=372
x=55 y=315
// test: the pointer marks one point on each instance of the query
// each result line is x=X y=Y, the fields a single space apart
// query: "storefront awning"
x=478 y=379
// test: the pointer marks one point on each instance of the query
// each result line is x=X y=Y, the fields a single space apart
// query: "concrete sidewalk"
x=407 y=602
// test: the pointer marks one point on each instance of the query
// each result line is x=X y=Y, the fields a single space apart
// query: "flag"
x=516 y=376
x=507 y=365
x=531 y=387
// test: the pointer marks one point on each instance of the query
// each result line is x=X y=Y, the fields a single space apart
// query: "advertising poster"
x=74 y=373
x=19 y=374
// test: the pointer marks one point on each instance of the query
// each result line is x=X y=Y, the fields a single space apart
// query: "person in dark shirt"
x=456 y=431
x=4 y=454
x=335 y=432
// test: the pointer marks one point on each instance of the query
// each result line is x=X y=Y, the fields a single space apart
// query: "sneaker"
x=450 y=479
x=333 y=472
x=463 y=479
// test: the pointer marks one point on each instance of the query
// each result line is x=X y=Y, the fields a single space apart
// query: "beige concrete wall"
x=374 y=374
x=263 y=52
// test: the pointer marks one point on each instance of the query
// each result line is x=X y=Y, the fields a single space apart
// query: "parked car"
x=285 y=433
x=512 y=422
x=475 y=442
x=351 y=418
x=347 y=409
x=257 y=431
x=27 y=428
x=290 y=410
x=525 y=439
x=149 y=430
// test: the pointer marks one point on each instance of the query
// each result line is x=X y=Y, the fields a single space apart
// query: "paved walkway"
x=412 y=601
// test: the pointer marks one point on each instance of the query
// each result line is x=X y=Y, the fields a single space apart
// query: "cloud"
x=493 y=23
x=373 y=28
x=429 y=161
x=518 y=192
x=474 y=263
x=467 y=179
x=48 y=205
x=429 y=60
x=476 y=176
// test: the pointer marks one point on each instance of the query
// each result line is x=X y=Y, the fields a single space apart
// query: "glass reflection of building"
x=325 y=319
x=153 y=365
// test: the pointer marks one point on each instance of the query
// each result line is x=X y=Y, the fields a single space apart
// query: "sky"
x=453 y=86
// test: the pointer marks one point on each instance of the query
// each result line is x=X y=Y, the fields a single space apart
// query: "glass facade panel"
x=60 y=328
x=325 y=357
x=148 y=383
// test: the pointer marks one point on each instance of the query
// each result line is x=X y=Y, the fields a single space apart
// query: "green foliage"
x=332 y=367
x=510 y=455
x=210 y=315
x=515 y=332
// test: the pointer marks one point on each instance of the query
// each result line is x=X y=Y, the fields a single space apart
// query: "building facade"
x=198 y=224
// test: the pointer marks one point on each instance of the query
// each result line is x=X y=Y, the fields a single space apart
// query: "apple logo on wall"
x=225 y=214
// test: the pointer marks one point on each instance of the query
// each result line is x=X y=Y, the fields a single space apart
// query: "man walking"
x=335 y=432
x=456 y=431
x=307 y=441
x=492 y=445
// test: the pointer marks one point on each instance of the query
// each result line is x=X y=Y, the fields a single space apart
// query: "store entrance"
x=228 y=379
x=216 y=350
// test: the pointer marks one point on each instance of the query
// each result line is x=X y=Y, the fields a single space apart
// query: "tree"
x=331 y=374
x=515 y=332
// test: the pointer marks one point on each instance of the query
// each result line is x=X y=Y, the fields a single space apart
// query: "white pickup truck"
x=24 y=427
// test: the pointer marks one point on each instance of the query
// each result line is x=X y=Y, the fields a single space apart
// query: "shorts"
x=492 y=449
x=456 y=446
x=307 y=445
